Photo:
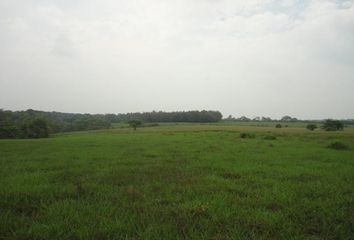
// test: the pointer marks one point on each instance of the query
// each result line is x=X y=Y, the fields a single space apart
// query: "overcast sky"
x=253 y=58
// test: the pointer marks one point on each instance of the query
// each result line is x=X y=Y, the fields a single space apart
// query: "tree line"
x=37 y=124
x=284 y=119
x=179 y=116
x=261 y=119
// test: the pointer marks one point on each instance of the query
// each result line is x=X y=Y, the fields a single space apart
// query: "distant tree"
x=81 y=124
x=243 y=119
x=9 y=130
x=134 y=123
x=311 y=126
x=256 y=119
x=278 y=125
x=332 y=125
x=37 y=128
x=230 y=118
x=266 y=119
x=190 y=116
x=288 y=119
x=112 y=118
x=17 y=124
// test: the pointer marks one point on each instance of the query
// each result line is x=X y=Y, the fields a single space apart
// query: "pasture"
x=187 y=181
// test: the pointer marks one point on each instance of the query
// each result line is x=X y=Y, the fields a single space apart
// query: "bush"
x=9 y=131
x=332 y=125
x=134 y=123
x=150 y=125
x=278 y=125
x=38 y=128
x=270 y=137
x=247 y=135
x=338 y=146
x=311 y=126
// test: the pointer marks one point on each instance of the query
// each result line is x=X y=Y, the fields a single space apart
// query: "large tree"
x=134 y=123
x=311 y=126
x=332 y=125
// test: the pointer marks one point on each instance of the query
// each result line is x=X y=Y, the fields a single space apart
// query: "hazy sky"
x=253 y=58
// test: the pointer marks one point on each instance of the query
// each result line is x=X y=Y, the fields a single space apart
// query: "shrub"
x=247 y=135
x=270 y=137
x=338 y=146
x=150 y=125
x=134 y=123
x=278 y=125
x=311 y=126
x=332 y=125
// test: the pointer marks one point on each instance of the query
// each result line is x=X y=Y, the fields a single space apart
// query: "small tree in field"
x=332 y=125
x=134 y=123
x=278 y=125
x=311 y=126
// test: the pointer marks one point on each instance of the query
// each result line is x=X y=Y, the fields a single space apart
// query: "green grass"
x=184 y=181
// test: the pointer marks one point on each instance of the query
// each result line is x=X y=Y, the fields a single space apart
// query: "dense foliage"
x=338 y=146
x=36 y=128
x=36 y=124
x=311 y=126
x=261 y=119
x=286 y=119
x=134 y=123
x=188 y=116
x=332 y=125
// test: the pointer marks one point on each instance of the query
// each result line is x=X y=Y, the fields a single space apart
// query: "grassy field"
x=185 y=181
